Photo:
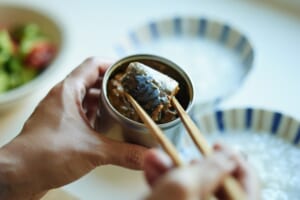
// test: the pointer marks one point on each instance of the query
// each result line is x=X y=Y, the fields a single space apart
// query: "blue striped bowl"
x=252 y=120
x=214 y=54
x=269 y=140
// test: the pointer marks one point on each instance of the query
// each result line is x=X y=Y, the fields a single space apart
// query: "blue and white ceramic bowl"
x=216 y=56
x=270 y=140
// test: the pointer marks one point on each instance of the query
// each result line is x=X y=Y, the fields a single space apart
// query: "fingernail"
x=224 y=161
x=164 y=158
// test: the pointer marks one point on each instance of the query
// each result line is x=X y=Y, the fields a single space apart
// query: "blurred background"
x=94 y=28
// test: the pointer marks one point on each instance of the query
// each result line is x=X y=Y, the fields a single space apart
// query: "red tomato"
x=41 y=55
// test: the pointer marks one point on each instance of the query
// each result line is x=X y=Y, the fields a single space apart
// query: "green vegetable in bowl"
x=24 y=53
x=4 y=81
x=6 y=47
x=27 y=32
x=13 y=65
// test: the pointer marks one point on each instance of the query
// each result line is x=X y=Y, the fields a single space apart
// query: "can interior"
x=184 y=95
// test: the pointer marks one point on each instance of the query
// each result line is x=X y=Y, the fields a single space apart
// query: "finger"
x=234 y=156
x=244 y=173
x=196 y=181
x=89 y=71
x=231 y=154
x=195 y=161
x=222 y=147
x=228 y=152
x=86 y=75
x=156 y=164
x=247 y=177
x=215 y=168
x=91 y=104
x=98 y=82
x=91 y=99
x=124 y=154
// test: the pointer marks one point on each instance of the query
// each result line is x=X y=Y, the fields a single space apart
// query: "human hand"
x=200 y=179
x=58 y=144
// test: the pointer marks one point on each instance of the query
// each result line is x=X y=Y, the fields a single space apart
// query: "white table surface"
x=93 y=27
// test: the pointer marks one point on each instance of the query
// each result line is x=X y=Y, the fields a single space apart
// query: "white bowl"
x=12 y=15
x=216 y=55
x=270 y=140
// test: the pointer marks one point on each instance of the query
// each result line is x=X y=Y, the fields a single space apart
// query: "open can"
x=115 y=125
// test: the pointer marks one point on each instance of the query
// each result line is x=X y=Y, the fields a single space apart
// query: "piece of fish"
x=150 y=88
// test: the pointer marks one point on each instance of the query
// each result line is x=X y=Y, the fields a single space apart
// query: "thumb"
x=156 y=164
x=124 y=154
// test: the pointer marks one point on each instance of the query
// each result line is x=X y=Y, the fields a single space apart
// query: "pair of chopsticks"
x=230 y=185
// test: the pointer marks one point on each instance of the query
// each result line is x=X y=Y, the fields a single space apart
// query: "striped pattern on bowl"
x=192 y=26
x=269 y=141
x=216 y=55
x=255 y=121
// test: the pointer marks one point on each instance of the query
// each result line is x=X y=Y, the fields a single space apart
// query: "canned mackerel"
x=118 y=119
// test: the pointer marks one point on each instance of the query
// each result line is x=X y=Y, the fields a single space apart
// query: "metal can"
x=115 y=125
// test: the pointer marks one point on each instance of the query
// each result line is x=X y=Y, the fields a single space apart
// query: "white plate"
x=215 y=55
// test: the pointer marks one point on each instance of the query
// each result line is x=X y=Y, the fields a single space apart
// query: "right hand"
x=199 y=180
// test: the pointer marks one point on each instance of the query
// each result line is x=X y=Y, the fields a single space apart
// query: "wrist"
x=8 y=174
x=14 y=180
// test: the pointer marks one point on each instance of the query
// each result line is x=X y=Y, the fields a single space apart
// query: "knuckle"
x=91 y=60
x=213 y=162
x=133 y=157
x=179 y=187
x=57 y=89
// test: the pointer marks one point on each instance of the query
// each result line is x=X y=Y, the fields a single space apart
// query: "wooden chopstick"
x=192 y=129
x=156 y=132
x=231 y=186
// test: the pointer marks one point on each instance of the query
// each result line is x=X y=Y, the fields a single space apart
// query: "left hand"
x=58 y=143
